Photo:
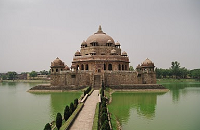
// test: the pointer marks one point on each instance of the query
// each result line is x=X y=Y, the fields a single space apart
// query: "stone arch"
x=126 y=67
x=119 y=67
x=86 y=67
x=122 y=67
x=77 y=67
x=110 y=67
x=82 y=67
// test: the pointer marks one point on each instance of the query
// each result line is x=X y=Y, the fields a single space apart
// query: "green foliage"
x=44 y=72
x=75 y=103
x=66 y=113
x=12 y=75
x=58 y=120
x=71 y=118
x=4 y=77
x=33 y=74
x=71 y=108
x=105 y=125
x=102 y=92
x=103 y=110
x=104 y=117
x=131 y=68
x=47 y=127
x=87 y=90
x=175 y=71
x=195 y=73
x=96 y=118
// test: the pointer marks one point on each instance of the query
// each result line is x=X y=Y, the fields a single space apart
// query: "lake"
x=177 y=109
x=21 y=110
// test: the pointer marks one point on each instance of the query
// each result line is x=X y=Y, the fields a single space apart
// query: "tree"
x=4 y=77
x=75 y=103
x=58 y=120
x=44 y=72
x=12 y=75
x=33 y=74
x=47 y=127
x=104 y=117
x=66 y=113
x=105 y=125
x=195 y=73
x=71 y=107
x=131 y=68
x=175 y=69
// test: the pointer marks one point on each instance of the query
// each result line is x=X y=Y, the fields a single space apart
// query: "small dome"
x=77 y=53
x=113 y=51
x=83 y=43
x=66 y=68
x=124 y=53
x=147 y=62
x=109 y=41
x=117 y=44
x=138 y=66
x=57 y=63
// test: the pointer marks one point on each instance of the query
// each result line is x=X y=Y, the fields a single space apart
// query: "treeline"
x=177 y=72
x=12 y=75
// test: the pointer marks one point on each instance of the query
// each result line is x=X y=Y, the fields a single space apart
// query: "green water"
x=178 y=109
x=21 y=110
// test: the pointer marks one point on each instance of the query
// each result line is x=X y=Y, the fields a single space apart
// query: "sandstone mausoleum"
x=101 y=60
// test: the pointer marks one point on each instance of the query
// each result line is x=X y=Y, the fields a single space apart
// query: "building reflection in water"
x=124 y=102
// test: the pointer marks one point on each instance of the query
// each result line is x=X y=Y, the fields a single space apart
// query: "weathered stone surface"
x=84 y=121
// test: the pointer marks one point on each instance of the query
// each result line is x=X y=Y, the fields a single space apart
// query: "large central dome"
x=100 y=38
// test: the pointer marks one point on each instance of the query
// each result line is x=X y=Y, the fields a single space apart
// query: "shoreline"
x=49 y=91
x=28 y=81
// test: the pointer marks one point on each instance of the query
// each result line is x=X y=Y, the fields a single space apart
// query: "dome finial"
x=100 y=30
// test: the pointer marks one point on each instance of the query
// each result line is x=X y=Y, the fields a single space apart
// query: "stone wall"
x=120 y=77
x=81 y=78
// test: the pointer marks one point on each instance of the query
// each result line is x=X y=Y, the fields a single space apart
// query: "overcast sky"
x=34 y=32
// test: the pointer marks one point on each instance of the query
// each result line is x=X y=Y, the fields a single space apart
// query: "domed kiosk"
x=99 y=60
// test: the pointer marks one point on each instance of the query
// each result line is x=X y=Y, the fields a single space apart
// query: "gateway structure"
x=100 y=60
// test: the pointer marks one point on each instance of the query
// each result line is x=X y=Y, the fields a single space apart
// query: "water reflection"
x=60 y=100
x=181 y=89
x=124 y=102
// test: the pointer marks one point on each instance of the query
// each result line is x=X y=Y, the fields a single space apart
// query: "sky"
x=34 y=32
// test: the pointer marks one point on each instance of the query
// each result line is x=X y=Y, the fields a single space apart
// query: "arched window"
x=104 y=66
x=86 y=67
x=110 y=67
x=56 y=70
x=125 y=67
x=51 y=70
x=119 y=68
x=82 y=67
x=77 y=67
x=122 y=67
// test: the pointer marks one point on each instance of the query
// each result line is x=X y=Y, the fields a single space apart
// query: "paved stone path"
x=84 y=121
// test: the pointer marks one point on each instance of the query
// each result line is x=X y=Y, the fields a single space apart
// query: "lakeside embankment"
x=27 y=81
x=177 y=80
